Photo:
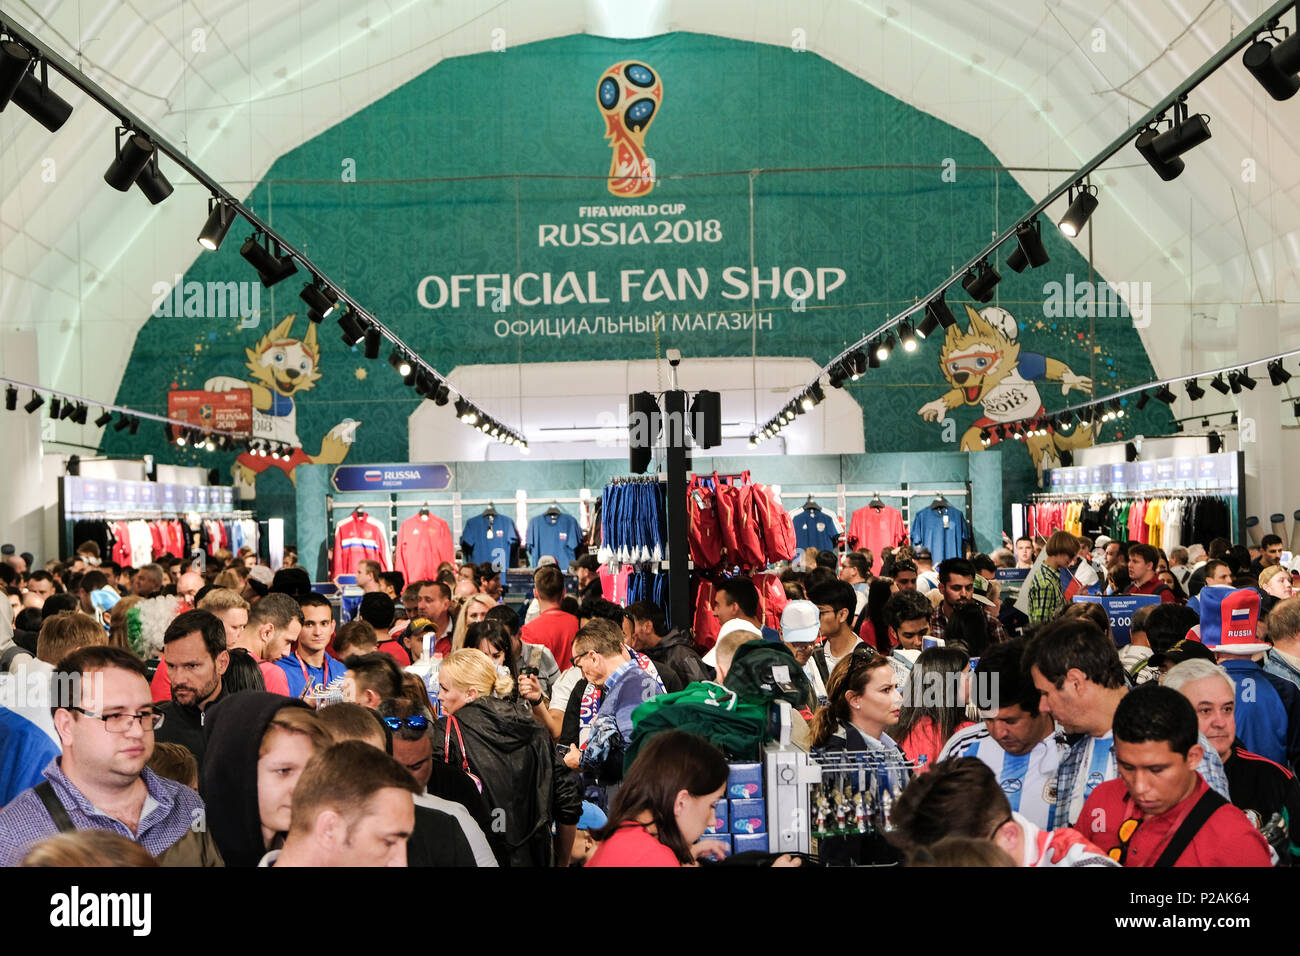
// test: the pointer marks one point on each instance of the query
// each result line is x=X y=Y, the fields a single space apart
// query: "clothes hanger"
x=875 y=501
x=490 y=511
x=811 y=505
x=554 y=509
x=424 y=510
x=939 y=503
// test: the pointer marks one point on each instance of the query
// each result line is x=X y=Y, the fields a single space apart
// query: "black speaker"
x=706 y=419
x=1130 y=452
x=643 y=422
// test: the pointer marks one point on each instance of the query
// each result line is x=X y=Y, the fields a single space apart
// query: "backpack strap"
x=819 y=658
x=54 y=806
x=1198 y=816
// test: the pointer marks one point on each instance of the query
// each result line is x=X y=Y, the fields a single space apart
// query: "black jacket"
x=677 y=662
x=233 y=734
x=183 y=724
x=521 y=774
x=437 y=840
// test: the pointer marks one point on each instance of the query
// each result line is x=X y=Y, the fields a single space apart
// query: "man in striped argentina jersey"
x=1015 y=740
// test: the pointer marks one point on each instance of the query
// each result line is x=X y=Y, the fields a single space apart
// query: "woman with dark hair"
x=934 y=703
x=873 y=628
x=491 y=638
x=1169 y=580
x=968 y=626
x=242 y=673
x=667 y=800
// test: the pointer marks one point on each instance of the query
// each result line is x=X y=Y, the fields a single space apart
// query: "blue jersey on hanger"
x=557 y=535
x=814 y=528
x=489 y=538
x=944 y=538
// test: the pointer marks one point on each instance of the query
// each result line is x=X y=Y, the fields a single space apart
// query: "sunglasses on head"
x=415 y=722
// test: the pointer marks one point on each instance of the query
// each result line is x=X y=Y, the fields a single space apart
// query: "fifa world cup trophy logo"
x=629 y=94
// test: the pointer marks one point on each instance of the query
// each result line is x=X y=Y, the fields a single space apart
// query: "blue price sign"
x=392 y=477
x=1120 y=608
x=1010 y=574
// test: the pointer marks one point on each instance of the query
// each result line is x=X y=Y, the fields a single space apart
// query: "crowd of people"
x=179 y=716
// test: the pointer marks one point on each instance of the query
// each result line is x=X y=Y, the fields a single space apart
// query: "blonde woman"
x=1277 y=582
x=509 y=756
x=472 y=611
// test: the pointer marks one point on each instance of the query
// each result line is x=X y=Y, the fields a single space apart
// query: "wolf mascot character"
x=985 y=366
x=282 y=368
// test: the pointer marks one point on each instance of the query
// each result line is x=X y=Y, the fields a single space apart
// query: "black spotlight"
x=838 y=373
x=980 y=281
x=1295 y=408
x=1234 y=382
x=873 y=354
x=1273 y=66
x=1277 y=374
x=135 y=424
x=352 y=328
x=80 y=413
x=1166 y=171
x=907 y=336
x=132 y=155
x=1216 y=443
x=443 y=394
x=221 y=215
x=1143 y=399
x=56 y=408
x=1029 y=251
x=374 y=339
x=14 y=61
x=1246 y=381
x=399 y=361
x=152 y=182
x=1194 y=391
x=11 y=397
x=271 y=266
x=41 y=103
x=857 y=364
x=122 y=421
x=937 y=314
x=1082 y=204
x=1166 y=394
x=885 y=348
x=412 y=373
x=1130 y=451
x=1219 y=385
x=1186 y=134
x=320 y=298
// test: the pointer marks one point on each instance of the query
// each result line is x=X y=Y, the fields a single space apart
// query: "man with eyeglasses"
x=195 y=644
x=105 y=717
x=445 y=790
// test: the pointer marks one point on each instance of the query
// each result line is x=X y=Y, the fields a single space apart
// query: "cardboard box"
x=748 y=816
x=745 y=781
x=741 y=842
x=723 y=838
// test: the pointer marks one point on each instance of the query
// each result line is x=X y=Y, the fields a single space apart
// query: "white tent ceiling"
x=238 y=83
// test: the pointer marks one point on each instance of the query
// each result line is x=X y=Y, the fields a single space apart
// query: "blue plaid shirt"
x=169 y=811
x=1074 y=784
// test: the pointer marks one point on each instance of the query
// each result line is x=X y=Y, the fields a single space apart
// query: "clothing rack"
x=138 y=515
x=1131 y=494
x=904 y=493
x=454 y=501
